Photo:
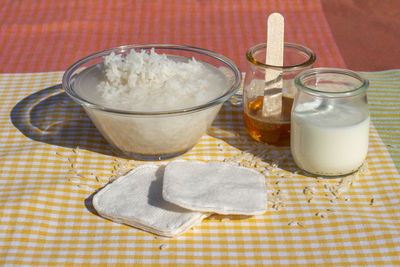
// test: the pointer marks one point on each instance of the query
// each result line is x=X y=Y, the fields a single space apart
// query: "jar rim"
x=298 y=81
x=311 y=57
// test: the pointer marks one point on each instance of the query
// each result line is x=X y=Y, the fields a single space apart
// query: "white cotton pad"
x=136 y=199
x=215 y=187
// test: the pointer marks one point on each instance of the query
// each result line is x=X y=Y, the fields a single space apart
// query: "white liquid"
x=329 y=139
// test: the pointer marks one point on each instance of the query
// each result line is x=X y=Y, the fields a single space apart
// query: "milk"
x=329 y=139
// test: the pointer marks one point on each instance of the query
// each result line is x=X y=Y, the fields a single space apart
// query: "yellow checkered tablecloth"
x=52 y=160
x=384 y=103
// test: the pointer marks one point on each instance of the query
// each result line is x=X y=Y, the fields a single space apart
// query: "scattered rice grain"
x=74 y=180
x=309 y=190
x=295 y=223
x=76 y=150
x=372 y=201
x=321 y=214
x=163 y=246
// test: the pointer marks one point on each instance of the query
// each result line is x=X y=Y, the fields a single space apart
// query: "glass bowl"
x=149 y=135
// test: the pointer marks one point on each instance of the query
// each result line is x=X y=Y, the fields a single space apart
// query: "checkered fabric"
x=52 y=161
x=384 y=102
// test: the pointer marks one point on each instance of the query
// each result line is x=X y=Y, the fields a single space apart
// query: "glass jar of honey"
x=266 y=109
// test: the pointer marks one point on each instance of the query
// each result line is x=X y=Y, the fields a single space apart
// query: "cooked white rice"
x=149 y=81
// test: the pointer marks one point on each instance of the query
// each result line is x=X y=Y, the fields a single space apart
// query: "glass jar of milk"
x=330 y=121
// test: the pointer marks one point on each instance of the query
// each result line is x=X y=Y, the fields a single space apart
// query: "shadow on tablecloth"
x=229 y=128
x=52 y=117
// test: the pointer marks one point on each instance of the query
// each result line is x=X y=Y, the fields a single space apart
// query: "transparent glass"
x=330 y=121
x=153 y=135
x=266 y=110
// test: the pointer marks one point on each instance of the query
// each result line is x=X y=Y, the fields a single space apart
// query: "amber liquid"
x=268 y=130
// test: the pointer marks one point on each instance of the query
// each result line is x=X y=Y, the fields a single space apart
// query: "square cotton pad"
x=136 y=199
x=215 y=187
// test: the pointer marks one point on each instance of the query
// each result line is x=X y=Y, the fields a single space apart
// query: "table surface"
x=52 y=159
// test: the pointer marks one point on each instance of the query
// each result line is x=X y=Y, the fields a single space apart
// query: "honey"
x=272 y=129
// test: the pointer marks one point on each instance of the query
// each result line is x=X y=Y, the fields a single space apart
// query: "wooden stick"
x=272 y=104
